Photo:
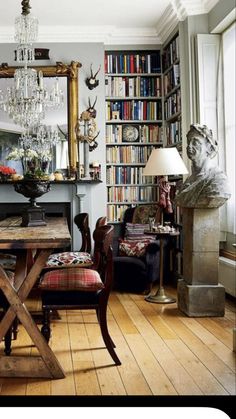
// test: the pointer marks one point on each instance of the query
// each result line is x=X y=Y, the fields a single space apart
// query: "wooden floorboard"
x=163 y=352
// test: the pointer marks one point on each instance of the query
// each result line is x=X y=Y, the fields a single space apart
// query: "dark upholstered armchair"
x=137 y=272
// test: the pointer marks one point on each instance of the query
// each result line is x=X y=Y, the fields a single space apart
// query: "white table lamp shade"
x=163 y=162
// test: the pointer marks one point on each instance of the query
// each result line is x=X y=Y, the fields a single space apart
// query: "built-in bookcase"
x=133 y=83
x=172 y=93
x=173 y=130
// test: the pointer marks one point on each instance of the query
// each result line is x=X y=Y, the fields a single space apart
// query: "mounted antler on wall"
x=91 y=108
x=91 y=81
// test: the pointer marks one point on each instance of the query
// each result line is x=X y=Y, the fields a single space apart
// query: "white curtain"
x=229 y=74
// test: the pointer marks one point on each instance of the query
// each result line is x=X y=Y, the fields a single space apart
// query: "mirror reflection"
x=55 y=118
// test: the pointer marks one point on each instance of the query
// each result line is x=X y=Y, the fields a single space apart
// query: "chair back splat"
x=82 y=222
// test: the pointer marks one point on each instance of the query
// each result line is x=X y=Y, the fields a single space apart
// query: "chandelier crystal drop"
x=26 y=32
x=28 y=99
x=42 y=136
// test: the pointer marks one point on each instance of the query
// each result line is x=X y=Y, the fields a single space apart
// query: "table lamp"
x=163 y=162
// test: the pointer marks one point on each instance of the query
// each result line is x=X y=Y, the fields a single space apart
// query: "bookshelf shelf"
x=134 y=121
x=134 y=103
x=135 y=143
x=176 y=61
x=133 y=74
x=172 y=91
x=133 y=97
x=173 y=117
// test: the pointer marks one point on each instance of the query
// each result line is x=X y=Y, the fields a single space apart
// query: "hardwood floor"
x=163 y=352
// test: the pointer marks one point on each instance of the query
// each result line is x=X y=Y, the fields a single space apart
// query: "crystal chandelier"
x=27 y=100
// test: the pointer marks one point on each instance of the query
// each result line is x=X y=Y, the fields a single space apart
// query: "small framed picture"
x=115 y=115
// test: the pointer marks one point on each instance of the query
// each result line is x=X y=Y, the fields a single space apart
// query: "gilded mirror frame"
x=71 y=72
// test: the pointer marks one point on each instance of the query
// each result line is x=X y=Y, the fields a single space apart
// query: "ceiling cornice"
x=177 y=11
x=167 y=23
x=105 y=34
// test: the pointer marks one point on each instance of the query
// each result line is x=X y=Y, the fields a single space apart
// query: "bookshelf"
x=173 y=132
x=134 y=118
x=172 y=93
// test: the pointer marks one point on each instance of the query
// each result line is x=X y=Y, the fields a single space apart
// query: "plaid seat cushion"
x=69 y=259
x=7 y=261
x=72 y=279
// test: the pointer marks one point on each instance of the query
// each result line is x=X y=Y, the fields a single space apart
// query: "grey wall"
x=221 y=10
x=86 y=53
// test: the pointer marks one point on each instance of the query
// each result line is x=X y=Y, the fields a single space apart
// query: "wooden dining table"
x=22 y=241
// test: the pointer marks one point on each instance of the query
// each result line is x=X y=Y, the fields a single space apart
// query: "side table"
x=160 y=297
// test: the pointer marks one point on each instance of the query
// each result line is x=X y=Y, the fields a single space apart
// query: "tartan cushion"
x=69 y=259
x=72 y=279
x=134 y=248
x=7 y=261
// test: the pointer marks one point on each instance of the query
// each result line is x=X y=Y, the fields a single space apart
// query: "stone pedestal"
x=199 y=293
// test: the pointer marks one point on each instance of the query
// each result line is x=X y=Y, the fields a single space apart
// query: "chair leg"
x=15 y=328
x=7 y=342
x=45 y=330
x=98 y=317
x=105 y=335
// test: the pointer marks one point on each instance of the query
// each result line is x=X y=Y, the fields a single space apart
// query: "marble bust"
x=207 y=186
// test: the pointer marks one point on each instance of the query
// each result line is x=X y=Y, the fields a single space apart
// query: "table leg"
x=45 y=365
x=160 y=297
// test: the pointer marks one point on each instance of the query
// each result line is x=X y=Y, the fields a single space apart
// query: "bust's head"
x=200 y=143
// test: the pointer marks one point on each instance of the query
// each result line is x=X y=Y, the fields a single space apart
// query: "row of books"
x=173 y=133
x=132 y=86
x=127 y=175
x=115 y=213
x=147 y=133
x=133 y=63
x=129 y=154
x=134 y=110
x=131 y=193
x=171 y=79
x=171 y=53
x=173 y=104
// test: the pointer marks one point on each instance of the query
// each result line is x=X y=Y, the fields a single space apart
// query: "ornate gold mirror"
x=70 y=72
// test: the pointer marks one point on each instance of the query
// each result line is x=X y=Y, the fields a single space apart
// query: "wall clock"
x=130 y=133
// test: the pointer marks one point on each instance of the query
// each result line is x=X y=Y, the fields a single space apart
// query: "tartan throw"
x=81 y=279
x=7 y=261
x=134 y=248
x=69 y=259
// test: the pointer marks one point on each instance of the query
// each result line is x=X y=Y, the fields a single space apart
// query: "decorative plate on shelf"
x=130 y=133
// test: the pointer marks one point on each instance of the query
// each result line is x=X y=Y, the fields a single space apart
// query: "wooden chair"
x=83 y=289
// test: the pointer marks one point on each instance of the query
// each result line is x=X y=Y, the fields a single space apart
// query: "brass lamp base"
x=160 y=297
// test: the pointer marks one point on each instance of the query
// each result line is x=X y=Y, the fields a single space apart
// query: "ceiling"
x=108 y=21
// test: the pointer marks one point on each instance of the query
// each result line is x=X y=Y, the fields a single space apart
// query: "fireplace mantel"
x=75 y=196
